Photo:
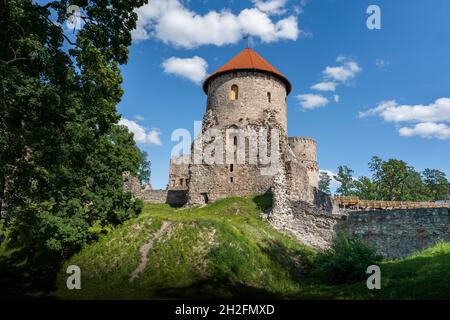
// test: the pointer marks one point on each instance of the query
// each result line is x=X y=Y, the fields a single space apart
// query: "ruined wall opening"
x=205 y=197
x=231 y=167
x=269 y=97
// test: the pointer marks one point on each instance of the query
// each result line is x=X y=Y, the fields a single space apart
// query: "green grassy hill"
x=226 y=249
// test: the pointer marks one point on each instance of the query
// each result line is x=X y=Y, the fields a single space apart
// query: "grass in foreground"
x=225 y=250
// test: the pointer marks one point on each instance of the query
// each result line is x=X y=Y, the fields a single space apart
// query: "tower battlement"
x=303 y=140
x=304 y=148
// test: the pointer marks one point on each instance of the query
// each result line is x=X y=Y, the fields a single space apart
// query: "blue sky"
x=393 y=84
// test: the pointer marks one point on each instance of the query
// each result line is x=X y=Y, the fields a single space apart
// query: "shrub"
x=346 y=261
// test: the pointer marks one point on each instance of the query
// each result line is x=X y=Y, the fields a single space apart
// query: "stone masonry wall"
x=397 y=233
x=172 y=197
x=154 y=196
x=309 y=224
x=213 y=182
x=393 y=234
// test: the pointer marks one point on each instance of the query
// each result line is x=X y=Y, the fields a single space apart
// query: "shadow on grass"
x=296 y=263
x=214 y=289
x=263 y=202
x=17 y=281
x=415 y=278
x=419 y=277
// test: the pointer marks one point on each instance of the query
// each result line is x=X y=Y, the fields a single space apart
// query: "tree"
x=62 y=152
x=345 y=177
x=324 y=182
x=144 y=171
x=365 y=188
x=395 y=180
x=436 y=184
x=413 y=188
x=393 y=175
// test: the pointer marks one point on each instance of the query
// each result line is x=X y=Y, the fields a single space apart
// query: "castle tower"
x=244 y=91
x=305 y=150
x=247 y=92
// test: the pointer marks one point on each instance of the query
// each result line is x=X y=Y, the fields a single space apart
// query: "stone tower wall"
x=212 y=182
x=252 y=103
x=298 y=182
x=305 y=151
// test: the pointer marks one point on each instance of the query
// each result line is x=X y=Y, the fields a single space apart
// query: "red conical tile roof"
x=248 y=60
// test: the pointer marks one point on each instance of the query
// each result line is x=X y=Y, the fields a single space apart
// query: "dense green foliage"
x=436 y=183
x=62 y=153
x=393 y=180
x=225 y=249
x=345 y=178
x=324 y=182
x=144 y=171
x=346 y=261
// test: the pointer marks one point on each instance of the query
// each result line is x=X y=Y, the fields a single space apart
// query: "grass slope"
x=225 y=249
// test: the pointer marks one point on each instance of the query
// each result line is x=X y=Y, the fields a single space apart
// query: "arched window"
x=269 y=97
x=234 y=93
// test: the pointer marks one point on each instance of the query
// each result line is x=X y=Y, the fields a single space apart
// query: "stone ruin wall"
x=175 y=197
x=393 y=233
x=179 y=173
x=210 y=183
x=396 y=233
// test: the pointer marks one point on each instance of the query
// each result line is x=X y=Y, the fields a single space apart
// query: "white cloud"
x=332 y=77
x=311 y=101
x=193 y=69
x=346 y=71
x=174 y=24
x=325 y=86
x=153 y=137
x=141 y=135
x=138 y=117
x=430 y=120
x=391 y=111
x=427 y=130
x=271 y=6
